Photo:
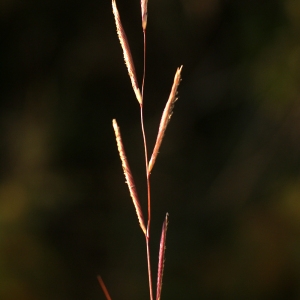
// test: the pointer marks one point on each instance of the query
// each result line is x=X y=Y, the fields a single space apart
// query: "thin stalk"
x=144 y=139
x=149 y=266
x=149 y=204
x=147 y=236
x=147 y=173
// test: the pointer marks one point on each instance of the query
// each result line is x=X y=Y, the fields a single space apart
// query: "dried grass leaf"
x=126 y=52
x=128 y=176
x=167 y=113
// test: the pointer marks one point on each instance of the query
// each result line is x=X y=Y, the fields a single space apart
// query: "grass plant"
x=149 y=164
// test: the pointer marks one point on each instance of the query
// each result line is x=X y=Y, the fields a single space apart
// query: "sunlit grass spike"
x=166 y=116
x=126 y=53
x=129 y=177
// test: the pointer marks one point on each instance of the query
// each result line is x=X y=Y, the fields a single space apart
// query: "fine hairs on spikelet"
x=126 y=52
x=167 y=113
x=128 y=176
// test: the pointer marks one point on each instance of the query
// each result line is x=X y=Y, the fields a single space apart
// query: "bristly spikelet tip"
x=126 y=53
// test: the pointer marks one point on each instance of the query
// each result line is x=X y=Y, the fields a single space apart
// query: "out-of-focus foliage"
x=228 y=171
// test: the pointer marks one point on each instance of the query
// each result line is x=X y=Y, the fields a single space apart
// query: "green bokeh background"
x=227 y=173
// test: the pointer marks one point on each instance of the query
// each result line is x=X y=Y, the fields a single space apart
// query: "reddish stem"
x=104 y=289
x=147 y=176
x=149 y=205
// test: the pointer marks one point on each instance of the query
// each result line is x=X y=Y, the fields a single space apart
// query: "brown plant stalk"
x=148 y=164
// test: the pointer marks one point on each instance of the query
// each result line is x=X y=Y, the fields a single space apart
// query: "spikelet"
x=167 y=113
x=126 y=53
x=161 y=257
x=128 y=176
x=144 y=9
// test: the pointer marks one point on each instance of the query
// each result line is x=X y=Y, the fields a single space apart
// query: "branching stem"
x=148 y=163
x=147 y=236
x=147 y=176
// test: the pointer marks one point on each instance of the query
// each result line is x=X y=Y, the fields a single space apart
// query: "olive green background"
x=228 y=169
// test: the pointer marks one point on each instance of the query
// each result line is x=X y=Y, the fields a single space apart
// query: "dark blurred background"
x=227 y=173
